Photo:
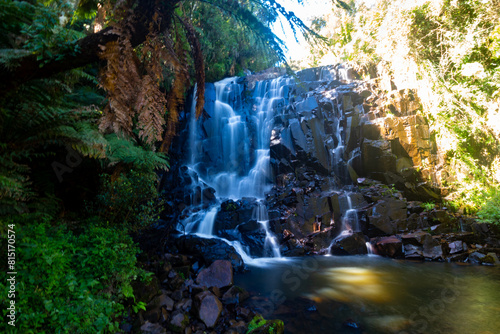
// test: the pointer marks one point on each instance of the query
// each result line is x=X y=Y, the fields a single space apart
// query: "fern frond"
x=151 y=109
x=125 y=151
x=121 y=80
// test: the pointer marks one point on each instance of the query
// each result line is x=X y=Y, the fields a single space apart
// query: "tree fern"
x=34 y=121
x=121 y=150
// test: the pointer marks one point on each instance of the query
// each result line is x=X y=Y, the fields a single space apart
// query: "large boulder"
x=208 y=308
x=349 y=244
x=234 y=213
x=388 y=246
x=209 y=250
x=219 y=274
x=384 y=217
x=253 y=235
x=421 y=243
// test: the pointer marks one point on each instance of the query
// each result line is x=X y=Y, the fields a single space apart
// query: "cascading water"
x=350 y=220
x=369 y=249
x=349 y=223
x=207 y=224
x=237 y=142
x=271 y=246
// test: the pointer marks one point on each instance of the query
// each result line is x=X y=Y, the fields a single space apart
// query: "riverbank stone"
x=219 y=274
x=208 y=308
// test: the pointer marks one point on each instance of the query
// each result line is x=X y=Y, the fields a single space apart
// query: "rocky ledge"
x=387 y=224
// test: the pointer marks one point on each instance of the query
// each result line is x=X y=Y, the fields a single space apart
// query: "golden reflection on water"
x=354 y=285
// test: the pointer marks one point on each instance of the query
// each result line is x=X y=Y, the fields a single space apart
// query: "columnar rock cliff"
x=348 y=162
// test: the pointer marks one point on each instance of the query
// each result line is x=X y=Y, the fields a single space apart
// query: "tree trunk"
x=88 y=48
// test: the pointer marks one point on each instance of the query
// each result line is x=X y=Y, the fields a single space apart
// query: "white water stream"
x=239 y=141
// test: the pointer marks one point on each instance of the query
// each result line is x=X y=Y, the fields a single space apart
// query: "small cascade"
x=350 y=219
x=271 y=246
x=349 y=223
x=369 y=248
x=206 y=226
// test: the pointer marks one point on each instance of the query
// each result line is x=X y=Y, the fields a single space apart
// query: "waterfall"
x=350 y=219
x=207 y=224
x=349 y=224
x=369 y=248
x=271 y=246
x=231 y=153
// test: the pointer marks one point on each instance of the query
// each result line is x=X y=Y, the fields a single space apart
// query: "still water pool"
x=370 y=294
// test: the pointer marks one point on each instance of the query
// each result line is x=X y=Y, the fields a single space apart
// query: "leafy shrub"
x=69 y=282
x=428 y=206
x=490 y=211
x=131 y=200
x=261 y=325
x=257 y=321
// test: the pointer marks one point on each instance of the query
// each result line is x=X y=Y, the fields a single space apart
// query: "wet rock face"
x=354 y=130
x=385 y=215
x=182 y=189
x=237 y=220
x=234 y=213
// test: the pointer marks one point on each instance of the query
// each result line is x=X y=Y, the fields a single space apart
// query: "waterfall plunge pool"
x=366 y=294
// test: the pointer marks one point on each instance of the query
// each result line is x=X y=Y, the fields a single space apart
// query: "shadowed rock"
x=219 y=274
x=209 y=250
x=351 y=244
x=208 y=308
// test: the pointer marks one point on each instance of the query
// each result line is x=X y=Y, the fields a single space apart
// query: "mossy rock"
x=178 y=323
x=259 y=325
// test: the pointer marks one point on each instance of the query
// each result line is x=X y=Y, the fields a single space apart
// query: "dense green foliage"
x=69 y=281
x=130 y=201
x=230 y=47
x=448 y=51
x=490 y=211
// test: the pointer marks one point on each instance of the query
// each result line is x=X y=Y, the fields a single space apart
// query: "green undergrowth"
x=69 y=281
x=130 y=200
x=263 y=326
x=489 y=211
